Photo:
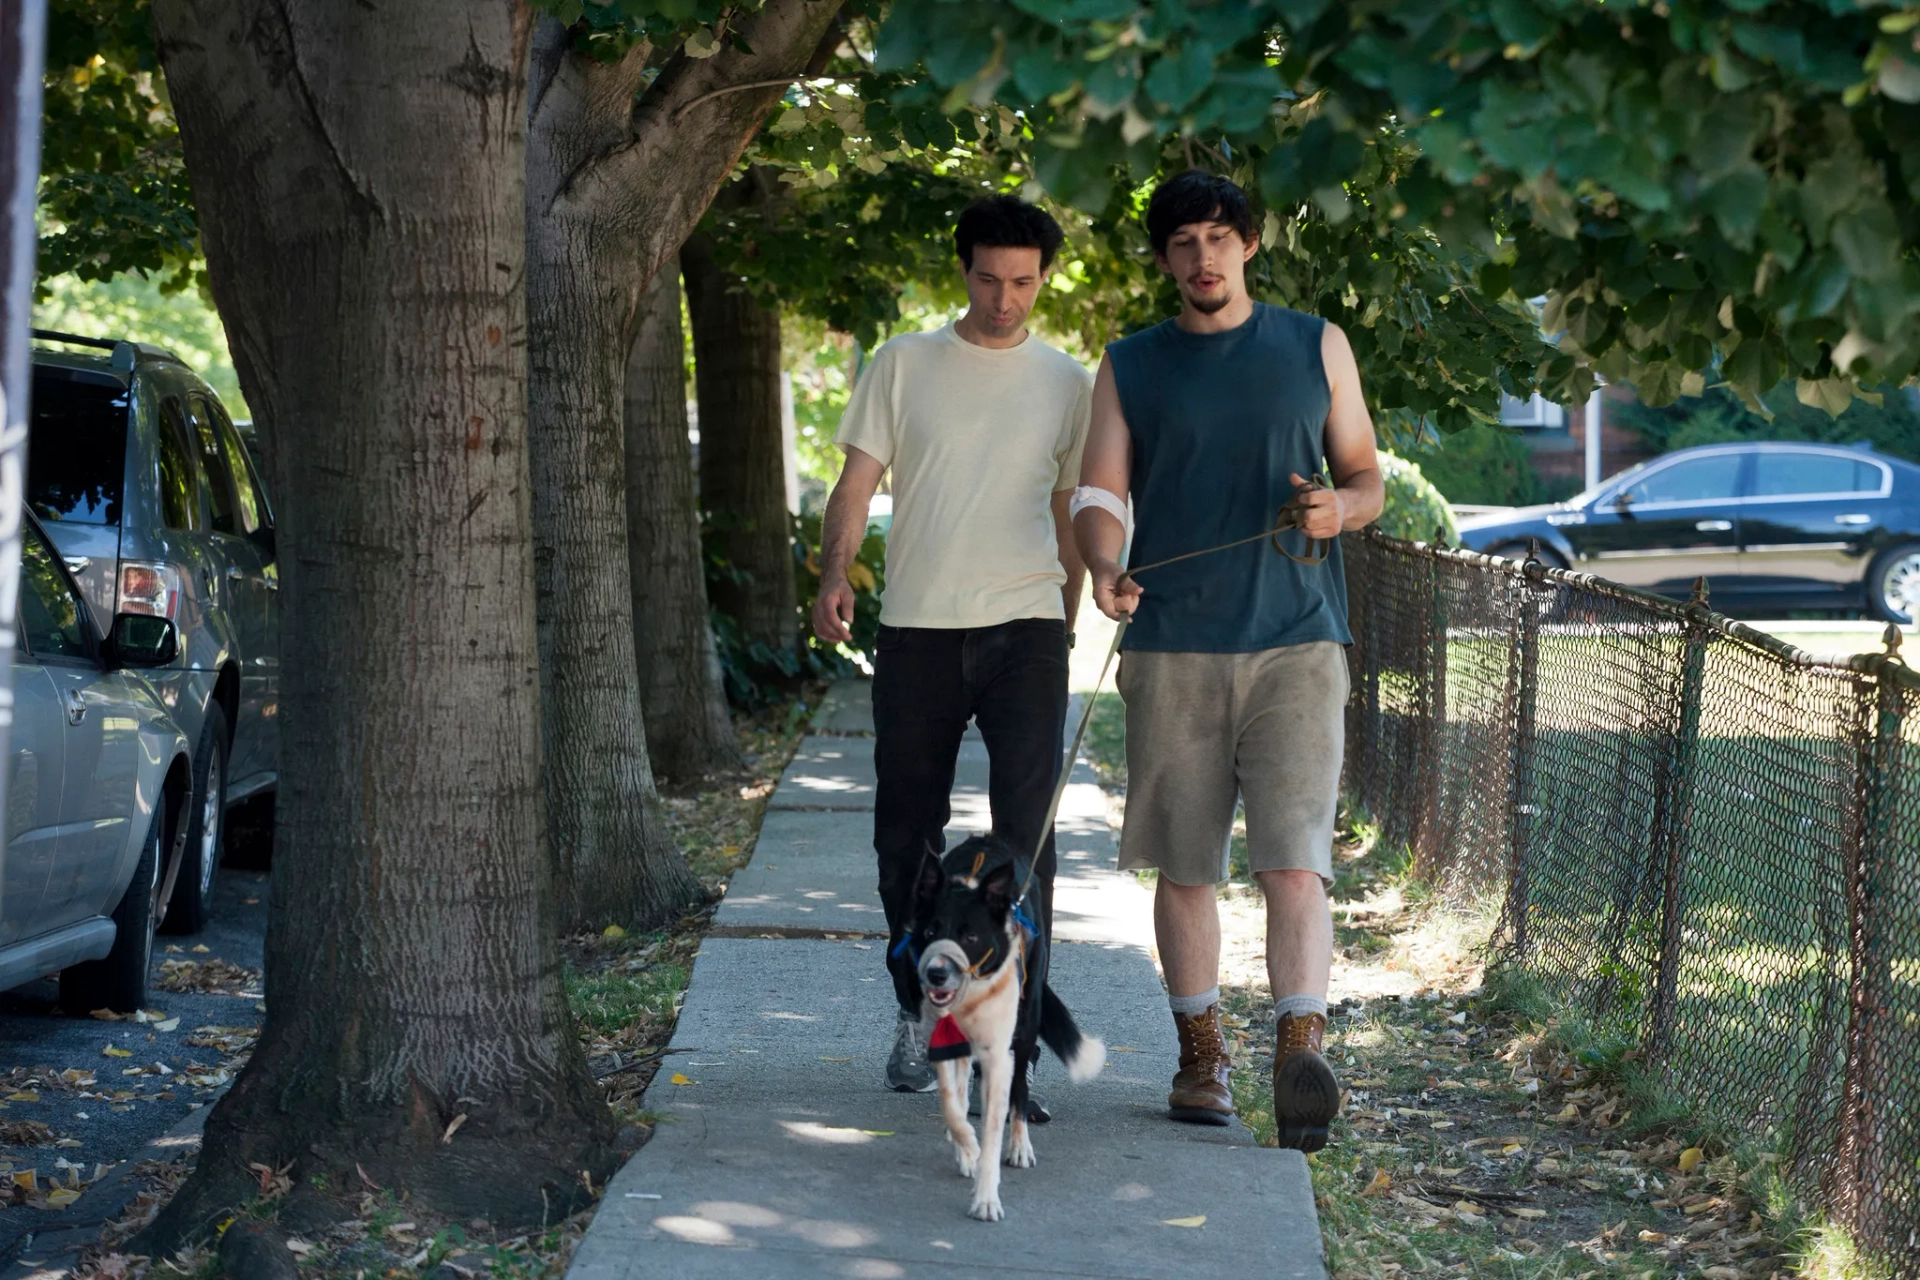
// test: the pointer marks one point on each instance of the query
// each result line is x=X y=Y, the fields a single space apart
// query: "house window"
x=1536 y=412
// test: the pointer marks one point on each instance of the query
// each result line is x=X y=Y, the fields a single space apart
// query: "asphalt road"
x=118 y=1111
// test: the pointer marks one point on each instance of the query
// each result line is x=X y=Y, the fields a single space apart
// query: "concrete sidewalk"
x=786 y=1156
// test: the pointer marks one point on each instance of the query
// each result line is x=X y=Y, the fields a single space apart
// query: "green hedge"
x=1488 y=465
x=1414 y=509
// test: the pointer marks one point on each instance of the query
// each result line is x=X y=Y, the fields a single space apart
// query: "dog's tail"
x=1083 y=1055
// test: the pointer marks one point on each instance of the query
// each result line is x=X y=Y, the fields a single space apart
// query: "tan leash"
x=1292 y=516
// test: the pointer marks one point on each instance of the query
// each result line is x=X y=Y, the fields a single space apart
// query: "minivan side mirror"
x=142 y=640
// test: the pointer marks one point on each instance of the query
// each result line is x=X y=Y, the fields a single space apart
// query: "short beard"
x=1207 y=306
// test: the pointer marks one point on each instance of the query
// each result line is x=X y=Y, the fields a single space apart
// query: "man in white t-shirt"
x=983 y=425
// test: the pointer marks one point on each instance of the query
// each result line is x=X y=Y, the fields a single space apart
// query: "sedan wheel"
x=1896 y=585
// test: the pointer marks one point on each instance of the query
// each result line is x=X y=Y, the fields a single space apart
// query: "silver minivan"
x=148 y=492
x=98 y=776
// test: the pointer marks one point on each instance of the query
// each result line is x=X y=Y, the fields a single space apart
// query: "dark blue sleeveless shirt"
x=1219 y=421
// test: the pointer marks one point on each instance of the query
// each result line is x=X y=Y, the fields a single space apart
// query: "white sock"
x=1187 y=1006
x=1299 y=1006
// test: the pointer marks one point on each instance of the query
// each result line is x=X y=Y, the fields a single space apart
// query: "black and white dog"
x=983 y=974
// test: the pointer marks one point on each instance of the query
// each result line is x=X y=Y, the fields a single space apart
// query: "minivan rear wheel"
x=192 y=903
x=118 y=980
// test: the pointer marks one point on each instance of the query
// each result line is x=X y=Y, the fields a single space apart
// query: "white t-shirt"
x=979 y=439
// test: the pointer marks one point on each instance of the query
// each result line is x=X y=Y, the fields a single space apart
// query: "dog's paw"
x=1020 y=1151
x=986 y=1209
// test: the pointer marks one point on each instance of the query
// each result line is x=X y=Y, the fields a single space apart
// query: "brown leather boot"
x=1306 y=1097
x=1201 y=1091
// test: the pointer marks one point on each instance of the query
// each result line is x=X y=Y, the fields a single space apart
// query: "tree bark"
x=743 y=482
x=371 y=291
x=688 y=730
x=614 y=185
x=615 y=861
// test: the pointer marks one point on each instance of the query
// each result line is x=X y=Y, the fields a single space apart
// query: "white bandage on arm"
x=1107 y=500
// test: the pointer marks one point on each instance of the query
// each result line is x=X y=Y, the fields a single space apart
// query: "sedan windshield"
x=1586 y=496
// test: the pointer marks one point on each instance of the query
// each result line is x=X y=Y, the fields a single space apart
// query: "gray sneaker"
x=908 y=1070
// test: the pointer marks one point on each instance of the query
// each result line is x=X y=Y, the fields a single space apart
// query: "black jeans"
x=1012 y=680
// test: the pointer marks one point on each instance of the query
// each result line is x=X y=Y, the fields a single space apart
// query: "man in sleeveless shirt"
x=982 y=425
x=1233 y=669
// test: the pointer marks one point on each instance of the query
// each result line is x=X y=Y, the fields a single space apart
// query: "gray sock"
x=1187 y=1006
x=1299 y=1006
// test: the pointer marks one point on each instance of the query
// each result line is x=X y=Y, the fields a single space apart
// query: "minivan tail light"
x=147 y=587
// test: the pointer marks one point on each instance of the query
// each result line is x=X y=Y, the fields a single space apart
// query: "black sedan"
x=1772 y=527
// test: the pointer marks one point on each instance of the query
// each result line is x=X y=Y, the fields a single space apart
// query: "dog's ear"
x=1000 y=885
x=933 y=876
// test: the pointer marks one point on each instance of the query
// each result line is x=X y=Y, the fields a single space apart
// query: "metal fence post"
x=1868 y=1085
x=1523 y=678
x=1432 y=685
x=1673 y=801
x=1370 y=698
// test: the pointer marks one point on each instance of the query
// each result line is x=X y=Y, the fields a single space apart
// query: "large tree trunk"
x=371 y=290
x=615 y=861
x=743 y=480
x=688 y=729
x=613 y=187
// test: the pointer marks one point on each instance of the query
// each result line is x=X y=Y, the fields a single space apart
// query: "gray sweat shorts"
x=1205 y=728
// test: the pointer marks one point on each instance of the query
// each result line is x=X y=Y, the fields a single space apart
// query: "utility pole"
x=23 y=47
x=1594 y=427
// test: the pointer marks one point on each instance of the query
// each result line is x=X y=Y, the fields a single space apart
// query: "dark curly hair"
x=1196 y=196
x=1006 y=222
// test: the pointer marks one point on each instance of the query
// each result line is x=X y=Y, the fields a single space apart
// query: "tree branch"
x=697 y=118
x=680 y=111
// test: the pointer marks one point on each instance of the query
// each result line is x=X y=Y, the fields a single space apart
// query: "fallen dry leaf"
x=274 y=1183
x=1199 y=1220
x=24 y=1133
x=677 y=1078
x=1531 y=1215
x=1690 y=1159
x=61 y=1197
x=453 y=1127
x=114 y=1051
x=1381 y=1184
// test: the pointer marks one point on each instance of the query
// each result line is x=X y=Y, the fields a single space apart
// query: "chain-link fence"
x=1703 y=837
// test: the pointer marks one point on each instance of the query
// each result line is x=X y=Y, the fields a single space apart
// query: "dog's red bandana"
x=948 y=1041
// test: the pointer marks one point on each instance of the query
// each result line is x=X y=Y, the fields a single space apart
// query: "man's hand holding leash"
x=1323 y=514
x=1114 y=593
